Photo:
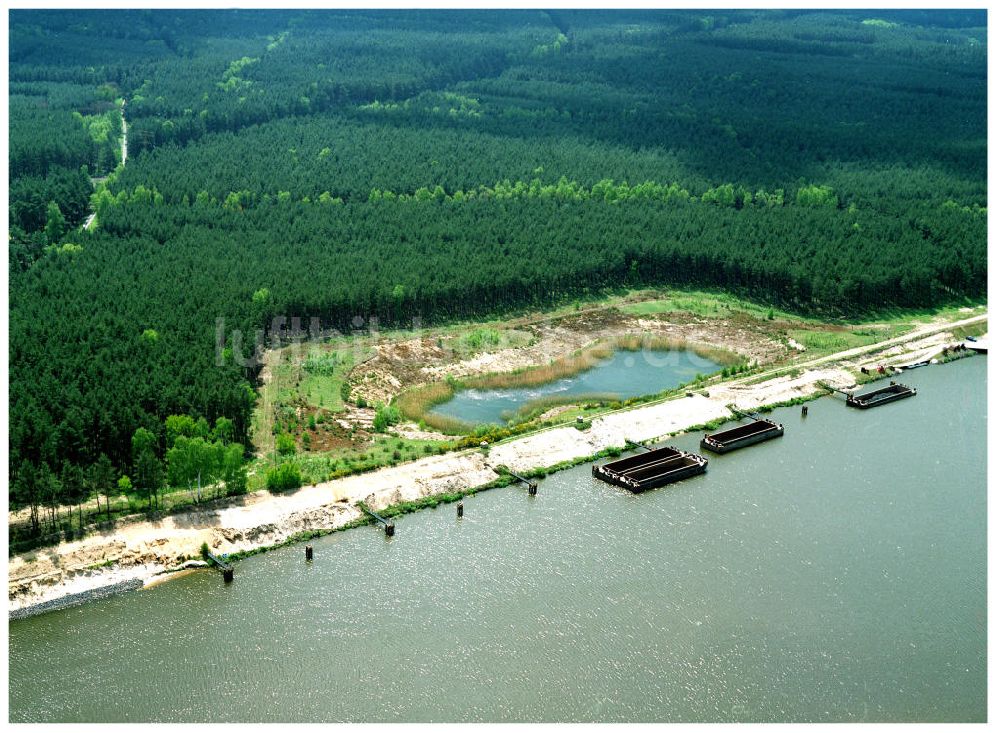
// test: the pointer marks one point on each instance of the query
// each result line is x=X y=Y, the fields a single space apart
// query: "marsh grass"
x=535 y=408
x=416 y=404
x=649 y=342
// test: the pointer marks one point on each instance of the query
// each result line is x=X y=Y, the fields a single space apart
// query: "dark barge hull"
x=742 y=436
x=881 y=396
x=651 y=470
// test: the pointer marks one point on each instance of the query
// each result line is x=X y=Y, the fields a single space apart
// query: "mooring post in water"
x=390 y=528
x=532 y=486
x=309 y=552
x=805 y=410
x=460 y=510
x=225 y=567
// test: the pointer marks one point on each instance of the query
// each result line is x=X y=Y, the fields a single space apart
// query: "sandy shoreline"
x=145 y=549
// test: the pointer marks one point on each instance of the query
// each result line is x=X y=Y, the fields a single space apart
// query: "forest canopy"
x=446 y=164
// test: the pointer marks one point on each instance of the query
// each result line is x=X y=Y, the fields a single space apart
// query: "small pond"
x=624 y=374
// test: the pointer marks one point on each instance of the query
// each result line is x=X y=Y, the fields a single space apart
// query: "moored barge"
x=651 y=470
x=742 y=435
x=881 y=396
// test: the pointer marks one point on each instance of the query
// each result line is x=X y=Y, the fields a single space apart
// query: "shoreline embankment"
x=75 y=599
x=146 y=549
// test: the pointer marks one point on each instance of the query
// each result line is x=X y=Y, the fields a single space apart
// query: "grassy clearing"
x=486 y=338
x=317 y=378
x=965 y=309
x=830 y=341
x=384 y=450
x=975 y=330
x=322 y=376
x=708 y=304
x=705 y=304
x=305 y=382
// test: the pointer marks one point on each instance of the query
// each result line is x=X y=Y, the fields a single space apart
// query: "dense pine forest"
x=442 y=165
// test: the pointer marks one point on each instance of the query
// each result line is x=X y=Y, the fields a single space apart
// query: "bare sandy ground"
x=402 y=364
x=144 y=549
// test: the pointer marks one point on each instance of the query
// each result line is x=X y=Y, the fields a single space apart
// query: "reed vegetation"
x=416 y=403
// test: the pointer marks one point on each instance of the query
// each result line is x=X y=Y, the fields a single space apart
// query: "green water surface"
x=835 y=574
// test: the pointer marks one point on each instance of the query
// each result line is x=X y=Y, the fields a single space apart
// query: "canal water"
x=622 y=375
x=835 y=574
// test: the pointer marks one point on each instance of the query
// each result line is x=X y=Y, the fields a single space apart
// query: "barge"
x=881 y=396
x=651 y=470
x=742 y=435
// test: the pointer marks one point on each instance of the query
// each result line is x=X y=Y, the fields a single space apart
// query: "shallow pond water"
x=625 y=374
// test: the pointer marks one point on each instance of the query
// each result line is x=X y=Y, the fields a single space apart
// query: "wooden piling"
x=390 y=528
x=532 y=486
x=225 y=567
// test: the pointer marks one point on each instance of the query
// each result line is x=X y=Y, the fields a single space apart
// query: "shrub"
x=482 y=337
x=325 y=364
x=285 y=444
x=284 y=477
x=237 y=490
x=385 y=415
